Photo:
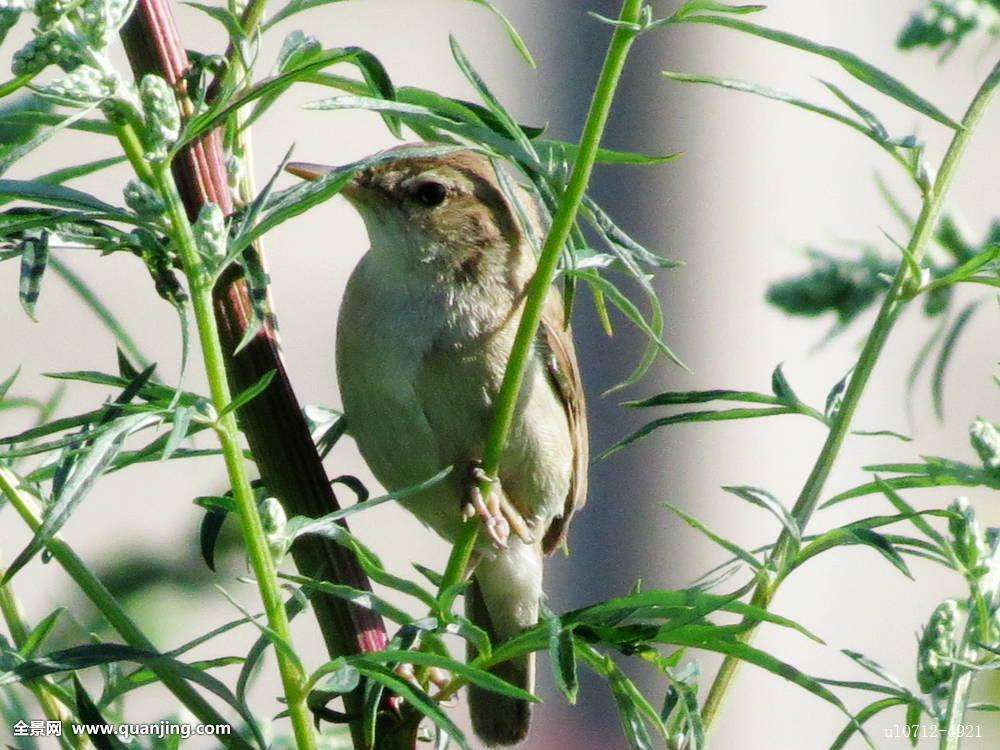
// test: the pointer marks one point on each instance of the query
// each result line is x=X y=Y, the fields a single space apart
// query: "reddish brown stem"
x=276 y=431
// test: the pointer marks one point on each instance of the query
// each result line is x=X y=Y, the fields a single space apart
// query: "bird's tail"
x=503 y=600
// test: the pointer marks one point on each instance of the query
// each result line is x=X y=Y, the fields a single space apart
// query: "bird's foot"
x=487 y=509
x=498 y=515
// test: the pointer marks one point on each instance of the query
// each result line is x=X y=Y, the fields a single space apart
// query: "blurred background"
x=758 y=182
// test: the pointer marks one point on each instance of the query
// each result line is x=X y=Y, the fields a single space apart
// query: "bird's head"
x=446 y=211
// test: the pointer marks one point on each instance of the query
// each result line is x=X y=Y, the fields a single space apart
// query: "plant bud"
x=142 y=199
x=967 y=538
x=99 y=19
x=210 y=231
x=985 y=438
x=274 y=520
x=85 y=85
x=937 y=640
x=163 y=118
x=48 y=48
x=50 y=11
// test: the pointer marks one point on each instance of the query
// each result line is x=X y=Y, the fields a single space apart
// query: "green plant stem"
x=42 y=688
x=28 y=508
x=261 y=562
x=958 y=694
x=840 y=426
x=548 y=261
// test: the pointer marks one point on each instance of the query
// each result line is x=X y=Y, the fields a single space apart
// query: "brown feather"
x=556 y=340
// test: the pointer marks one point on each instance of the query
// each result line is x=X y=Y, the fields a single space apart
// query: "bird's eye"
x=431 y=193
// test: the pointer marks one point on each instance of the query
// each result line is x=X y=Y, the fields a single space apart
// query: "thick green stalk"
x=538 y=288
x=840 y=426
x=28 y=508
x=42 y=688
x=261 y=562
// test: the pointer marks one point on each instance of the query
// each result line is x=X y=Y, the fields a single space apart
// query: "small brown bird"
x=424 y=335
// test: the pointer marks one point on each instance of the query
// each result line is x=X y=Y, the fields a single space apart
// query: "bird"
x=424 y=334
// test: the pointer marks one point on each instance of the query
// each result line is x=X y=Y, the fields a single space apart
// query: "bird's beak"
x=313 y=172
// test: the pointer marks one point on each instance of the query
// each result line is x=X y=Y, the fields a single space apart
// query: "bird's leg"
x=498 y=515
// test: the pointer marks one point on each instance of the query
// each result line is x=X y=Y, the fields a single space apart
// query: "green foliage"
x=48 y=469
x=945 y=23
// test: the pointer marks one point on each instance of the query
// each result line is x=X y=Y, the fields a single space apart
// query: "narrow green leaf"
x=884 y=547
x=99 y=654
x=866 y=713
x=11 y=155
x=417 y=698
x=508 y=27
x=63 y=197
x=863 y=71
x=916 y=518
x=944 y=355
x=365 y=599
x=34 y=261
x=726 y=544
x=700 y=6
x=243 y=398
x=87 y=469
x=293 y=606
x=882 y=433
x=6 y=384
x=673 y=398
x=479 y=677
x=293 y=7
x=562 y=658
x=178 y=431
x=40 y=632
x=767 y=501
x=91 y=716
x=694 y=416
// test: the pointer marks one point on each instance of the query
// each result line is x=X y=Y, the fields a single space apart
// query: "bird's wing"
x=556 y=342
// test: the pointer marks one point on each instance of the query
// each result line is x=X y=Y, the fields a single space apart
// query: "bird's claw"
x=499 y=517
x=488 y=511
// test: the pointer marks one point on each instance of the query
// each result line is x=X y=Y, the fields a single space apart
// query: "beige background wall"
x=758 y=182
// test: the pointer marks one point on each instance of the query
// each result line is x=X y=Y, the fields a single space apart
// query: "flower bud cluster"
x=50 y=47
x=938 y=644
x=985 y=438
x=142 y=199
x=100 y=19
x=968 y=541
x=163 y=118
x=85 y=85
x=210 y=231
x=50 y=11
